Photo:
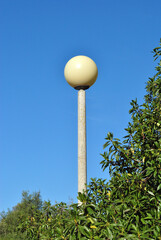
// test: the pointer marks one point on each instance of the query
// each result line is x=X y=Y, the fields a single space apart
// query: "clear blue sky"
x=38 y=123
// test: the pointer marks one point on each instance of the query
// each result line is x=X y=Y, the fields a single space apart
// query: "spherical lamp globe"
x=81 y=72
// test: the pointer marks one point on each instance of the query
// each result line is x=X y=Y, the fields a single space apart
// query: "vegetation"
x=29 y=206
x=126 y=207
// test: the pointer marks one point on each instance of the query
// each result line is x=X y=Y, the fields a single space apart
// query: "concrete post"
x=81 y=73
x=82 y=164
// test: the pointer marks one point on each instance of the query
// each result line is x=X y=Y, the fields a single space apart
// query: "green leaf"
x=109 y=234
x=84 y=230
x=151 y=193
x=159 y=187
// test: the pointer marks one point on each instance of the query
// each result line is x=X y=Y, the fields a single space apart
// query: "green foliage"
x=126 y=207
x=30 y=204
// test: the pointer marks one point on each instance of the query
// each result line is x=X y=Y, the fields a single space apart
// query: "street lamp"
x=81 y=73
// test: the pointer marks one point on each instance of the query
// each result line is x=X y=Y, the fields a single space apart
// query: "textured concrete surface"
x=82 y=164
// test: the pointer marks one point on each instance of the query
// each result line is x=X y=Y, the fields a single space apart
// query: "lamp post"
x=81 y=73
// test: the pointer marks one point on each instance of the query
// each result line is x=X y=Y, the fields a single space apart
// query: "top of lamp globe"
x=81 y=72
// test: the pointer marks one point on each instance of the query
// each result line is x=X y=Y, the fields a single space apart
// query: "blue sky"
x=38 y=124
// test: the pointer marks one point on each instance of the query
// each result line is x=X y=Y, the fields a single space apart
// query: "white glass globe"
x=81 y=72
